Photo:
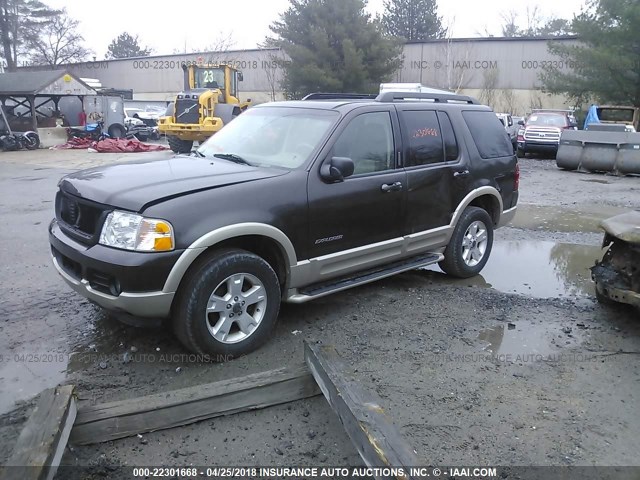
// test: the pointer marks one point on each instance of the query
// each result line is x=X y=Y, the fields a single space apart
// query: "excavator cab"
x=209 y=101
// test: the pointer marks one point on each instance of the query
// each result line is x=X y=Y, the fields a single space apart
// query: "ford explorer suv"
x=290 y=202
x=542 y=131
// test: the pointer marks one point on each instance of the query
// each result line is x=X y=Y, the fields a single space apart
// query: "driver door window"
x=368 y=141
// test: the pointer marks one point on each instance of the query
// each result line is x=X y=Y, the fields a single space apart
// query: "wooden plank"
x=374 y=435
x=41 y=443
x=125 y=418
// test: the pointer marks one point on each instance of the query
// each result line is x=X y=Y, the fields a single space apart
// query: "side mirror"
x=337 y=168
x=521 y=122
x=510 y=122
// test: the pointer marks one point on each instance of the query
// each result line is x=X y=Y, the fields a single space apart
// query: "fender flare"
x=225 y=233
x=470 y=197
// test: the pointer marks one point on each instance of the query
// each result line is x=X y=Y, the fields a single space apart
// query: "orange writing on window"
x=425 y=132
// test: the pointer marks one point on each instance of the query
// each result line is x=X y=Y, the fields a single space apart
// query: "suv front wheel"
x=470 y=244
x=228 y=305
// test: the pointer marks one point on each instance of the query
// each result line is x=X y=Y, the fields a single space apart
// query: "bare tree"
x=508 y=100
x=534 y=20
x=455 y=62
x=216 y=48
x=535 y=100
x=510 y=26
x=58 y=42
x=274 y=72
x=489 y=92
x=536 y=24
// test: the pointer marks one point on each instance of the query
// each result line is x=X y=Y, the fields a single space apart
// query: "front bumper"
x=119 y=281
x=189 y=131
x=528 y=146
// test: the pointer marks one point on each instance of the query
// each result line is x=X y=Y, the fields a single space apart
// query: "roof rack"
x=389 y=97
x=339 y=96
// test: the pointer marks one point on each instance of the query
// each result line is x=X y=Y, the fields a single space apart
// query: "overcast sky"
x=166 y=26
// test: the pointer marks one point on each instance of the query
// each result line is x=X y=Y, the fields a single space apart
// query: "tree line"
x=336 y=45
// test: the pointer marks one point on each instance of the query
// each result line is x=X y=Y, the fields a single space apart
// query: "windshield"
x=548 y=120
x=210 y=78
x=272 y=136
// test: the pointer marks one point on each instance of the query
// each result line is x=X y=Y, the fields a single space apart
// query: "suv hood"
x=134 y=185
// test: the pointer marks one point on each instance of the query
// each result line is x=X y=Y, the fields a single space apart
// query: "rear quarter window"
x=488 y=133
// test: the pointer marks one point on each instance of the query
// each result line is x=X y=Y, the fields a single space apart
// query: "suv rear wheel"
x=228 y=305
x=470 y=244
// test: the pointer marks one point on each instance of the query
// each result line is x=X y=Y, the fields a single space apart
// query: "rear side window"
x=425 y=138
x=488 y=134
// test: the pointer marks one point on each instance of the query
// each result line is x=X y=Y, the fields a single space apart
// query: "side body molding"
x=225 y=233
x=350 y=261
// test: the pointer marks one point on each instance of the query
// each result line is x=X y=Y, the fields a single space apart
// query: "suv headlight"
x=135 y=232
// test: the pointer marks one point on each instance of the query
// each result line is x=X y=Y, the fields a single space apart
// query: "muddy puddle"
x=25 y=372
x=537 y=269
x=517 y=339
x=561 y=219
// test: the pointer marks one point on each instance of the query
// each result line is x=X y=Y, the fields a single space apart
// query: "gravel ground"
x=403 y=336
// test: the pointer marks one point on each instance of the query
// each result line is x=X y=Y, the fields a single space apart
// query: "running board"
x=318 y=290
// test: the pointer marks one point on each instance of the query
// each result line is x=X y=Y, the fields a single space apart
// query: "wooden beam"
x=125 y=418
x=377 y=440
x=41 y=443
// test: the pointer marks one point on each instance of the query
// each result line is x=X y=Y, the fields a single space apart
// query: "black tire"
x=191 y=322
x=521 y=153
x=179 y=146
x=454 y=263
x=31 y=141
x=117 y=131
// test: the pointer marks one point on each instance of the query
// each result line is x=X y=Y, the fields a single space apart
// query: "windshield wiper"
x=231 y=157
x=198 y=153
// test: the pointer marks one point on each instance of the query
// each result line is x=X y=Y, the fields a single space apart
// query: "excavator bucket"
x=600 y=150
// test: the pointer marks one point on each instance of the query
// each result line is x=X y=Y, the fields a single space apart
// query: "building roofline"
x=493 y=39
x=150 y=57
x=59 y=73
x=248 y=50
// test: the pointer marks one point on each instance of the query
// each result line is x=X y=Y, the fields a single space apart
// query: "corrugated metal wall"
x=504 y=70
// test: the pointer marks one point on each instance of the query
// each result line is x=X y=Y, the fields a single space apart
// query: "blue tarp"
x=592 y=117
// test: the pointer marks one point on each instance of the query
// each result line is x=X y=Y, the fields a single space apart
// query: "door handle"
x=391 y=187
x=461 y=173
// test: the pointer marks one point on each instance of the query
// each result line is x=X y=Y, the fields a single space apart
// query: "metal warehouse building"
x=503 y=72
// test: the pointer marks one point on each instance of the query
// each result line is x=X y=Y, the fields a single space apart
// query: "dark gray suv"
x=290 y=202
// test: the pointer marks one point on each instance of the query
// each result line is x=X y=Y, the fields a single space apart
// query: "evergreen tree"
x=20 y=23
x=412 y=19
x=126 y=46
x=333 y=46
x=606 y=63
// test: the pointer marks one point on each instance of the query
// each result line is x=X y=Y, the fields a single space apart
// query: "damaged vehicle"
x=290 y=202
x=617 y=276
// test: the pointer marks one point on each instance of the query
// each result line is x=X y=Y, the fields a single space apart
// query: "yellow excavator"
x=209 y=101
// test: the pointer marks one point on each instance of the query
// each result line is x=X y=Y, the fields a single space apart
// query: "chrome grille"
x=542 y=134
